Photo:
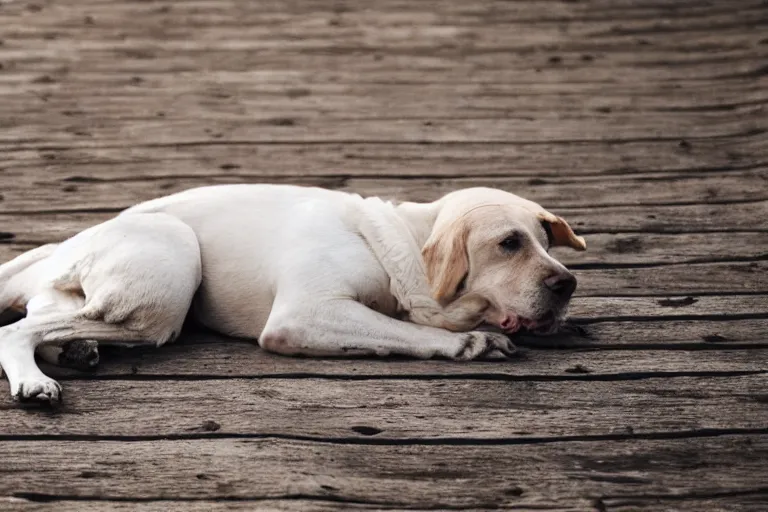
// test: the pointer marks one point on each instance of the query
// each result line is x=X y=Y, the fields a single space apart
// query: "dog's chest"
x=371 y=284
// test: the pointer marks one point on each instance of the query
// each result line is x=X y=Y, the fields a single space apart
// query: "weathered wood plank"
x=402 y=12
x=397 y=409
x=596 y=309
x=163 y=505
x=714 y=503
x=669 y=219
x=382 y=64
x=267 y=162
x=233 y=119
x=677 y=279
x=242 y=129
x=650 y=249
x=414 y=32
x=414 y=476
x=663 y=333
x=262 y=505
x=415 y=37
x=411 y=46
x=213 y=357
x=493 y=15
x=351 y=100
x=27 y=193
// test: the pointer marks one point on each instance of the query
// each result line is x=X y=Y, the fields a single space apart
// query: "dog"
x=304 y=271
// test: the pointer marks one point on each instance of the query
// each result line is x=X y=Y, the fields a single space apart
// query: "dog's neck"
x=420 y=218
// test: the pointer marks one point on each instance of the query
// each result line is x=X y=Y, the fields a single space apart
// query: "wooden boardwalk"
x=643 y=122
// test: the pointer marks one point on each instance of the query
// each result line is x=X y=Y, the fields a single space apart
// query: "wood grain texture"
x=273 y=162
x=78 y=194
x=434 y=476
x=408 y=410
x=727 y=502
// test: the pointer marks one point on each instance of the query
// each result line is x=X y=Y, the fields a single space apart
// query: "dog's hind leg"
x=128 y=280
x=77 y=354
x=18 y=342
x=20 y=280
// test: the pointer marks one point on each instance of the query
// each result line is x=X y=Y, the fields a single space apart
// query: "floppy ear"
x=562 y=234
x=445 y=256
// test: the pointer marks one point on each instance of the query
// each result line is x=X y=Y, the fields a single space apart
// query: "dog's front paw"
x=42 y=390
x=480 y=344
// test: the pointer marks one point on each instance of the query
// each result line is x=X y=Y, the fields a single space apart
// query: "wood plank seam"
x=384 y=441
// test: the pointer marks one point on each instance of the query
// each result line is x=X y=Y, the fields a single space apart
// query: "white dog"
x=303 y=270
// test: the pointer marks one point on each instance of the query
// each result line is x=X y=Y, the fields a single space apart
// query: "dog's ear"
x=560 y=233
x=445 y=256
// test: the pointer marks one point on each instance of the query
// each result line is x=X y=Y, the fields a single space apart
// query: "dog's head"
x=495 y=245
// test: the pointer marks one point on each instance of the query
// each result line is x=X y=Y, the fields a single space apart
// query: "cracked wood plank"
x=362 y=101
x=412 y=476
x=536 y=159
x=397 y=409
x=677 y=92
x=724 y=502
x=289 y=504
x=244 y=129
x=395 y=40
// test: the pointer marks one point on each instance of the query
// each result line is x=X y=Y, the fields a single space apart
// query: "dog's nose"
x=562 y=284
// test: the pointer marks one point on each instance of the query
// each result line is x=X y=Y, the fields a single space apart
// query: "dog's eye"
x=511 y=243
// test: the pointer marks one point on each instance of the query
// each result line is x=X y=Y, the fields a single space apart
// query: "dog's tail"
x=8 y=292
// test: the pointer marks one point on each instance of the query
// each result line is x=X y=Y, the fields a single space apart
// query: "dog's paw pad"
x=477 y=345
x=502 y=343
x=46 y=391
